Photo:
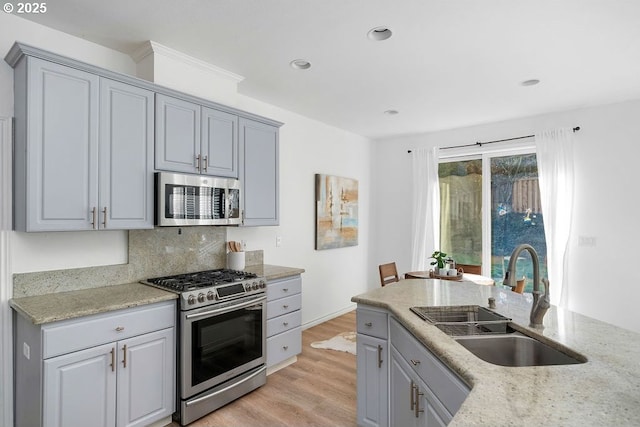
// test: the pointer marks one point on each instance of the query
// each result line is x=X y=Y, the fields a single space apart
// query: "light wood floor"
x=318 y=390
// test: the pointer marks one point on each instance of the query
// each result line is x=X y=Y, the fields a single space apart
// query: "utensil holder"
x=235 y=260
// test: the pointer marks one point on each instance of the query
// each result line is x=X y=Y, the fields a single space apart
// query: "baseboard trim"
x=333 y=315
x=275 y=368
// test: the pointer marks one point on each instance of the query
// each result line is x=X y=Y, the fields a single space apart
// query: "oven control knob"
x=210 y=295
x=200 y=297
x=255 y=285
x=247 y=287
x=191 y=300
x=262 y=284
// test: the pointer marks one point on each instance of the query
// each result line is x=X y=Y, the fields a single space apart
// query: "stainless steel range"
x=221 y=335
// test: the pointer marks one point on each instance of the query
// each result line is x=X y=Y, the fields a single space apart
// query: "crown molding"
x=150 y=47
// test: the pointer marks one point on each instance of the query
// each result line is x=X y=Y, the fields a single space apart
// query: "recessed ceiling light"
x=379 y=33
x=300 y=64
x=391 y=112
x=531 y=82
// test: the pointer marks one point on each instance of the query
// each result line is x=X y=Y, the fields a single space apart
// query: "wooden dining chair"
x=388 y=273
x=470 y=268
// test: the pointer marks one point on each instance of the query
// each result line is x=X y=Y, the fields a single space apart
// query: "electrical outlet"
x=278 y=241
x=26 y=350
x=586 y=241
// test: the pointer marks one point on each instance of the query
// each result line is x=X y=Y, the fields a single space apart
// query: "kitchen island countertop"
x=604 y=391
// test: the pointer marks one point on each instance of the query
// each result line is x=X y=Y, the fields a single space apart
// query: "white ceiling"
x=450 y=63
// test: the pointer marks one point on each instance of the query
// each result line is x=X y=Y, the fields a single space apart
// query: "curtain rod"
x=480 y=144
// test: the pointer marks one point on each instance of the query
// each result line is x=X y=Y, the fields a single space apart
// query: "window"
x=510 y=212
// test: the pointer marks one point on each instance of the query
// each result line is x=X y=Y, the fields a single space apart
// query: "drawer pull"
x=285 y=347
x=415 y=362
x=368 y=324
x=285 y=306
x=113 y=360
x=285 y=323
x=120 y=329
x=285 y=289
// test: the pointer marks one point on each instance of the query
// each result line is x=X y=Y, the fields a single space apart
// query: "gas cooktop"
x=208 y=287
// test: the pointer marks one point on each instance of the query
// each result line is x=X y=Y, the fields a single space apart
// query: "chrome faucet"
x=540 y=305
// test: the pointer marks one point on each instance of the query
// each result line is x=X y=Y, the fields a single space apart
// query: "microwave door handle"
x=227 y=202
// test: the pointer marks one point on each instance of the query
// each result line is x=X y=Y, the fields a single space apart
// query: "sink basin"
x=464 y=319
x=517 y=349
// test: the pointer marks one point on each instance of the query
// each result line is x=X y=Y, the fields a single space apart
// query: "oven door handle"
x=227 y=309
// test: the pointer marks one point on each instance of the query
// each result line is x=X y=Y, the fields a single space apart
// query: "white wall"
x=606 y=166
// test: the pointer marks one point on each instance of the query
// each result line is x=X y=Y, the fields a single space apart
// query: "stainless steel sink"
x=517 y=349
x=464 y=319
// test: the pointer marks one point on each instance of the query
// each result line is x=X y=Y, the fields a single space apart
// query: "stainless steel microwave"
x=183 y=199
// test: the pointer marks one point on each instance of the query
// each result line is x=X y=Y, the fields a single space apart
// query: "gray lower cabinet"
x=423 y=391
x=373 y=367
x=191 y=138
x=83 y=145
x=399 y=381
x=284 y=332
x=108 y=370
x=259 y=160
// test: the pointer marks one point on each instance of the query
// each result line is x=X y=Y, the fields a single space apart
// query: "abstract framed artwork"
x=336 y=212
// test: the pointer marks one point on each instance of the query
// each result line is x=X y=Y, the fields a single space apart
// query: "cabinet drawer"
x=370 y=322
x=284 y=346
x=284 y=288
x=283 y=306
x=447 y=387
x=80 y=333
x=283 y=323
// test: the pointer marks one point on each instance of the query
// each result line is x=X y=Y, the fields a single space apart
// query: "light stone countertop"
x=604 y=391
x=52 y=307
x=57 y=306
x=273 y=272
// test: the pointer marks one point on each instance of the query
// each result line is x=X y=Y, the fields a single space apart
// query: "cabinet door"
x=79 y=389
x=177 y=135
x=401 y=393
x=146 y=383
x=126 y=156
x=259 y=160
x=372 y=382
x=62 y=156
x=219 y=143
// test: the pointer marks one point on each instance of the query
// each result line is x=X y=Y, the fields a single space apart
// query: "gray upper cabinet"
x=219 y=143
x=75 y=135
x=126 y=156
x=194 y=139
x=56 y=147
x=259 y=162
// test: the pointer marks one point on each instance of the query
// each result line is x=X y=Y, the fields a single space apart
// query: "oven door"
x=221 y=341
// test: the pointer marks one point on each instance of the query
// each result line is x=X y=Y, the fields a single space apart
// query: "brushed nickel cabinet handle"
x=205 y=161
x=412 y=386
x=285 y=306
x=368 y=324
x=93 y=217
x=124 y=356
x=285 y=347
x=198 y=162
x=113 y=359
x=379 y=356
x=285 y=323
x=417 y=407
x=415 y=362
x=104 y=217
x=120 y=329
x=285 y=289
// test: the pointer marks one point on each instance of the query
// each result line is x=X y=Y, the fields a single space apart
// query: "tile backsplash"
x=152 y=253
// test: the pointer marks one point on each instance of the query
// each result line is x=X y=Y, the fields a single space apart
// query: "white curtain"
x=426 y=207
x=554 y=151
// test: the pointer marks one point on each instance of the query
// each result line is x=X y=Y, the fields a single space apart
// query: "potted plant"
x=439 y=260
